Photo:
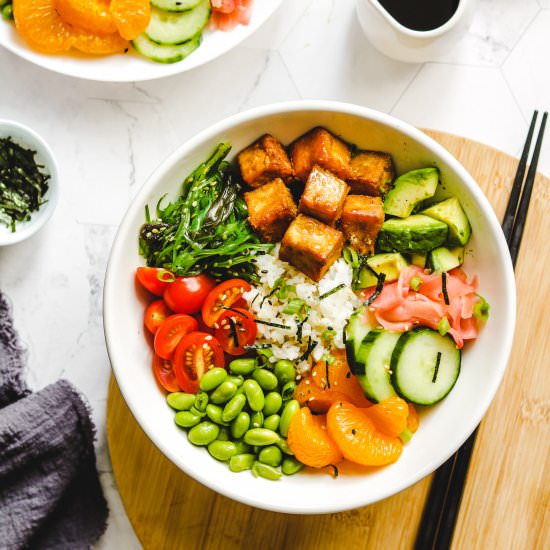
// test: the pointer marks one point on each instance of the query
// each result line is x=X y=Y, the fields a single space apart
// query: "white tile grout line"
x=529 y=25
x=404 y=91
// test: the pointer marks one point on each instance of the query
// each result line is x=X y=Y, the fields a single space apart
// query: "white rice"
x=330 y=313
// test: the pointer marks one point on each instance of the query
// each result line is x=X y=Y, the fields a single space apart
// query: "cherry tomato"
x=235 y=329
x=225 y=294
x=155 y=314
x=170 y=333
x=197 y=353
x=164 y=373
x=187 y=294
x=154 y=279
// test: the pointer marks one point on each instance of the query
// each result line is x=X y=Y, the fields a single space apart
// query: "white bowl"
x=443 y=427
x=24 y=136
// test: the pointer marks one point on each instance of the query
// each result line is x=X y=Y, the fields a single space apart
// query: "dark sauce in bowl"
x=420 y=15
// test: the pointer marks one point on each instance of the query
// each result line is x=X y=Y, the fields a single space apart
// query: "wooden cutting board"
x=506 y=502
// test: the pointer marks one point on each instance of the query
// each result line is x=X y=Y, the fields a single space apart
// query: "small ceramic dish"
x=24 y=136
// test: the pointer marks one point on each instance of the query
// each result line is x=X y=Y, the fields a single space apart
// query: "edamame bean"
x=273 y=402
x=237 y=380
x=257 y=419
x=290 y=409
x=260 y=436
x=272 y=422
x=7 y=12
x=242 y=366
x=271 y=455
x=212 y=379
x=291 y=466
x=201 y=401
x=266 y=379
x=196 y=411
x=240 y=425
x=288 y=390
x=242 y=447
x=223 y=393
x=222 y=450
x=265 y=471
x=180 y=401
x=203 y=434
x=233 y=407
x=214 y=412
x=284 y=370
x=254 y=395
x=224 y=435
x=284 y=446
x=186 y=419
x=241 y=462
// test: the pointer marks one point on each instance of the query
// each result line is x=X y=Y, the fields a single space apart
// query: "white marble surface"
x=108 y=138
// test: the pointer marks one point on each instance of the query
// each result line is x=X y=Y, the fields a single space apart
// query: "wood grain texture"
x=507 y=497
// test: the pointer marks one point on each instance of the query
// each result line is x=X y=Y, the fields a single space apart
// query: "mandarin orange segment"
x=389 y=416
x=91 y=15
x=357 y=437
x=39 y=24
x=412 y=420
x=318 y=400
x=131 y=17
x=99 y=44
x=309 y=440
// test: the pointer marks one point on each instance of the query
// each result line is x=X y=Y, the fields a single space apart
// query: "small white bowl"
x=443 y=427
x=24 y=136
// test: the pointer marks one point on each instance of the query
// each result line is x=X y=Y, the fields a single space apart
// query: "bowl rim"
x=34 y=141
x=279 y=108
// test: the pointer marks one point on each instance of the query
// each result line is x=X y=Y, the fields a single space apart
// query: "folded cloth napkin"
x=50 y=495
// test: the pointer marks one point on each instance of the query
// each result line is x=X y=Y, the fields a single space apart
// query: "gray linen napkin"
x=50 y=495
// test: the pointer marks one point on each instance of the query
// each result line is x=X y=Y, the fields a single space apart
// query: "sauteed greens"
x=206 y=229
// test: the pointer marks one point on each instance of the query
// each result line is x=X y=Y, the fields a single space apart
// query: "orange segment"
x=131 y=17
x=99 y=44
x=39 y=24
x=389 y=416
x=412 y=420
x=91 y=15
x=318 y=400
x=357 y=437
x=309 y=440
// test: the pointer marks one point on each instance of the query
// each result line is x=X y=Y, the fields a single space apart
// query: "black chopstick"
x=440 y=513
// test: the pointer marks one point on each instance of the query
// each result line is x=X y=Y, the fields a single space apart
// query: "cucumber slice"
x=165 y=54
x=175 y=5
x=169 y=27
x=413 y=365
x=355 y=331
x=375 y=354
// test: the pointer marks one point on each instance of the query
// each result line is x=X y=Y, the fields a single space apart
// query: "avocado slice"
x=390 y=264
x=416 y=234
x=451 y=212
x=409 y=190
x=445 y=259
x=419 y=260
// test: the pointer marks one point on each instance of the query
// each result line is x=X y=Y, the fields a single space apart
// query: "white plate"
x=133 y=67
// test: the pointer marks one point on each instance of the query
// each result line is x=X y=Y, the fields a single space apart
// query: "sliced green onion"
x=351 y=257
x=481 y=309
x=294 y=306
x=406 y=435
x=331 y=292
x=416 y=283
x=328 y=334
x=443 y=326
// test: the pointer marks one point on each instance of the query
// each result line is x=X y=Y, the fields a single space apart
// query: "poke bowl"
x=447 y=408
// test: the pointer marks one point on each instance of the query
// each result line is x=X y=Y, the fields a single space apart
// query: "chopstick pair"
x=443 y=503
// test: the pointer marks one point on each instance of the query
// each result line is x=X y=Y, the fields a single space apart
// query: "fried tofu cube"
x=323 y=196
x=263 y=161
x=319 y=146
x=271 y=208
x=372 y=173
x=362 y=219
x=311 y=246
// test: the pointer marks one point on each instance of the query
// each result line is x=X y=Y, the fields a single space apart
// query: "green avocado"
x=450 y=212
x=416 y=234
x=445 y=259
x=390 y=264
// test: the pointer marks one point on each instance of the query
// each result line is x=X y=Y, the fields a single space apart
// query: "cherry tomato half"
x=154 y=279
x=170 y=333
x=164 y=373
x=187 y=294
x=155 y=314
x=225 y=294
x=197 y=353
x=236 y=328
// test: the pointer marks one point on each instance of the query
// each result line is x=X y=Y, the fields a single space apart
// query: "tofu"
x=319 y=146
x=324 y=195
x=372 y=173
x=311 y=246
x=271 y=208
x=362 y=219
x=263 y=161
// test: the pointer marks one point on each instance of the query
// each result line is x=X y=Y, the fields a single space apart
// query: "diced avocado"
x=419 y=260
x=356 y=329
x=450 y=212
x=416 y=234
x=410 y=189
x=390 y=264
x=445 y=259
